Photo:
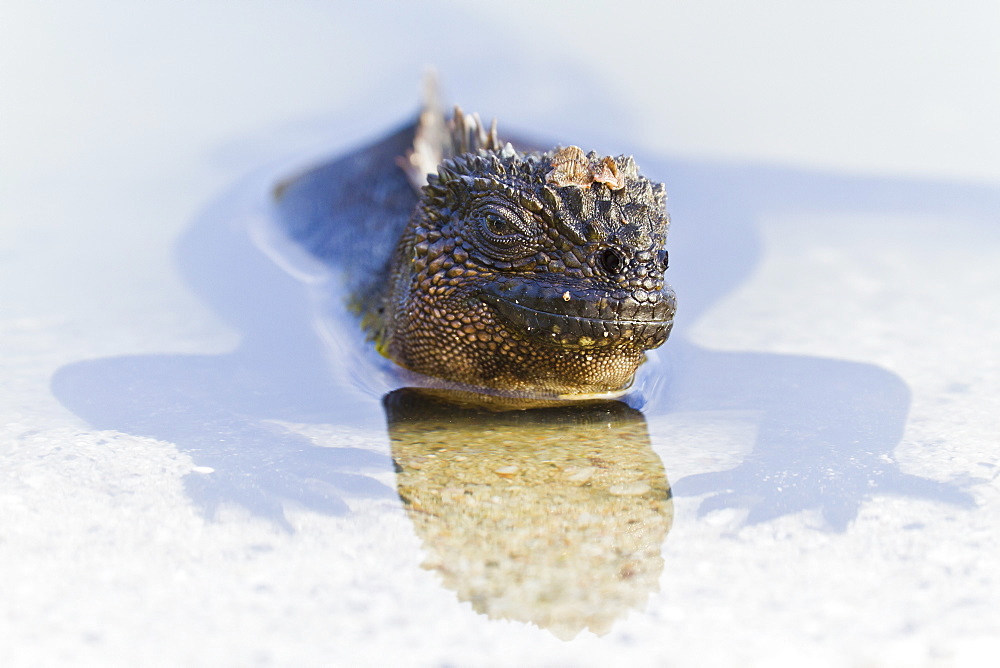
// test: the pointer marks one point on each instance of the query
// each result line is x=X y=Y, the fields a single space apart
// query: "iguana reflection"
x=554 y=516
x=828 y=427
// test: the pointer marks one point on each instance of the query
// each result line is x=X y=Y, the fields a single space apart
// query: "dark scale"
x=518 y=272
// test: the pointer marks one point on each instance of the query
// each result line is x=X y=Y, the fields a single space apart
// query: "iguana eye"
x=498 y=225
x=502 y=232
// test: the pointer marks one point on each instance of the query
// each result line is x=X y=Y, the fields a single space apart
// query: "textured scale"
x=517 y=272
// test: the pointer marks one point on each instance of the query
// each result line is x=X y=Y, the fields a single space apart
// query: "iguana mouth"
x=539 y=321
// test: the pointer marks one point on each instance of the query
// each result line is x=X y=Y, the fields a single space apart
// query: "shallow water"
x=230 y=498
x=554 y=516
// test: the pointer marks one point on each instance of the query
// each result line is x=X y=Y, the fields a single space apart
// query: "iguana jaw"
x=583 y=319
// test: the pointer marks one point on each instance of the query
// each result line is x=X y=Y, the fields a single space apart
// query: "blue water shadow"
x=827 y=428
x=220 y=408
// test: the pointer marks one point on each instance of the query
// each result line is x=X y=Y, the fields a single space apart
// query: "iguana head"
x=538 y=272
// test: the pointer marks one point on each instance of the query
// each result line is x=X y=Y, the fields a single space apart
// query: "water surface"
x=554 y=516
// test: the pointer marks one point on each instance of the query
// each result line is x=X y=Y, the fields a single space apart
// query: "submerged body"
x=517 y=272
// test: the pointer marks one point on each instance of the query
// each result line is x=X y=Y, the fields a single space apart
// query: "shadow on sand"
x=825 y=437
x=827 y=429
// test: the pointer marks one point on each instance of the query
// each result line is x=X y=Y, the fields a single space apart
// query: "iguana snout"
x=554 y=313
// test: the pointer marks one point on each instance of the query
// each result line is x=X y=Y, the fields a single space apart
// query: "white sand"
x=121 y=122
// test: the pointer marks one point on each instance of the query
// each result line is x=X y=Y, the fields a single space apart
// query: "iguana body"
x=516 y=272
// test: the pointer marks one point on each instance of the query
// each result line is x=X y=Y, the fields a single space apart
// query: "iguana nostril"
x=612 y=261
x=663 y=257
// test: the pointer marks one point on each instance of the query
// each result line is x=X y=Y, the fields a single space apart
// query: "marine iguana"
x=511 y=271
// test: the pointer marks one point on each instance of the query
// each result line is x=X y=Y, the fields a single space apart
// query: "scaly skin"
x=537 y=273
